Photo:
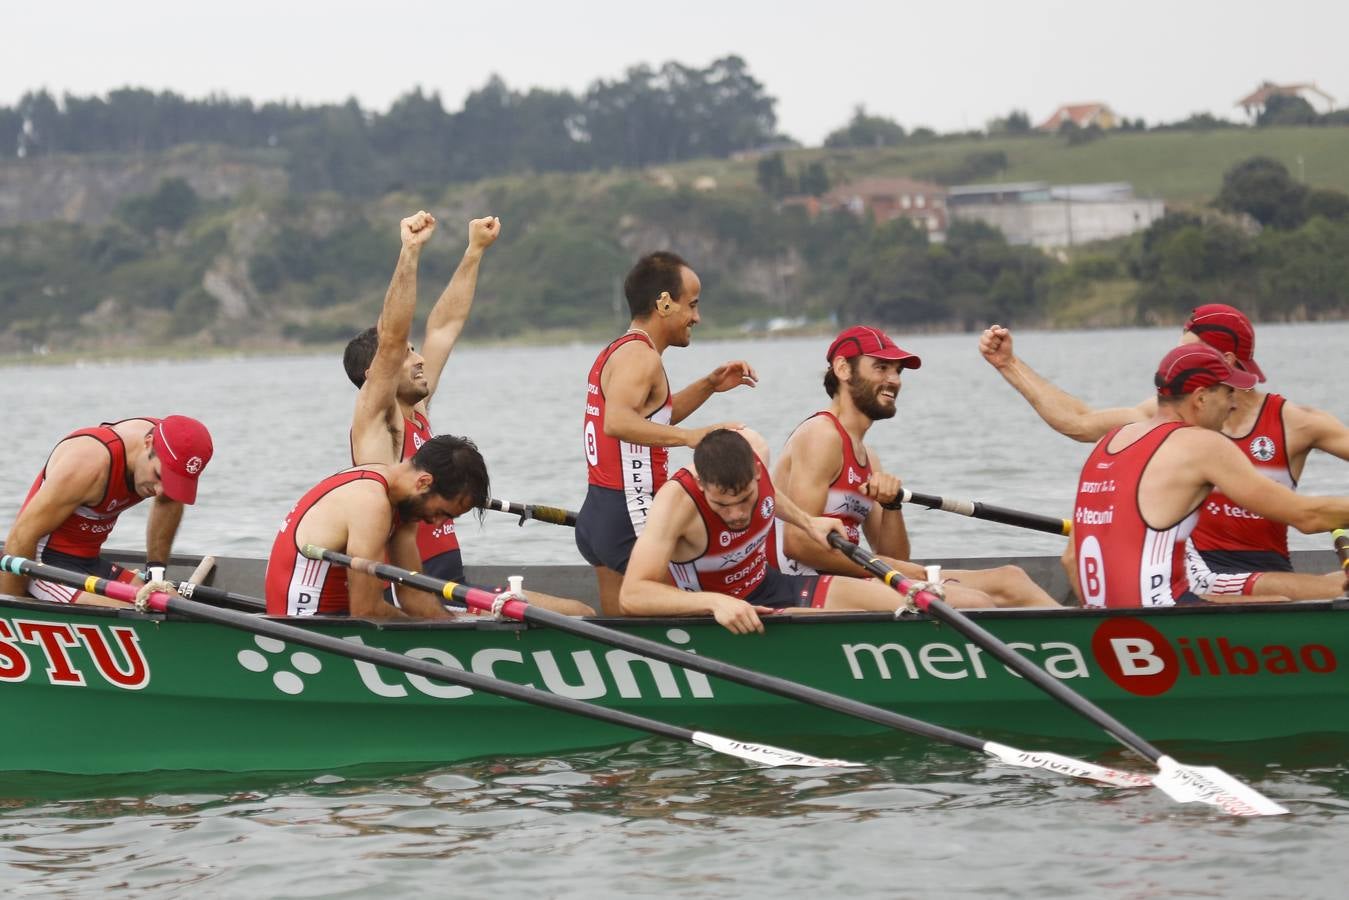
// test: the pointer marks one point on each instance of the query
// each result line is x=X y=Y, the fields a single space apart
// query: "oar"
x=202 y=571
x=1205 y=784
x=477 y=598
x=161 y=601
x=552 y=514
x=977 y=510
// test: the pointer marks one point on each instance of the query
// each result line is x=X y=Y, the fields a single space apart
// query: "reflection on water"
x=658 y=817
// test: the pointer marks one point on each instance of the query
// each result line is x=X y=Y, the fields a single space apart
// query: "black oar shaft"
x=552 y=514
x=976 y=509
x=655 y=650
x=993 y=645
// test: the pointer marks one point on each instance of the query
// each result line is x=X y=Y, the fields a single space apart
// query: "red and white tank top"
x=845 y=500
x=84 y=533
x=297 y=585
x=432 y=540
x=1223 y=525
x=735 y=562
x=1121 y=560
x=635 y=469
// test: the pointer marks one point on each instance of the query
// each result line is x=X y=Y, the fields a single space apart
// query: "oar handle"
x=976 y=509
x=554 y=515
x=993 y=645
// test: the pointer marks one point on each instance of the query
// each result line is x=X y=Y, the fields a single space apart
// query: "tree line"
x=650 y=115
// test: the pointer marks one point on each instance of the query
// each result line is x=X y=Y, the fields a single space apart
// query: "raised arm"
x=77 y=474
x=1063 y=412
x=447 y=318
x=633 y=373
x=377 y=401
x=723 y=378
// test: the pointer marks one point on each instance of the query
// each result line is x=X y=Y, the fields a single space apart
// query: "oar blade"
x=1211 y=785
x=767 y=755
x=1066 y=765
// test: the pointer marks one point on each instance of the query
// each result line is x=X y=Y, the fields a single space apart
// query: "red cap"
x=1226 y=329
x=184 y=448
x=1189 y=367
x=860 y=340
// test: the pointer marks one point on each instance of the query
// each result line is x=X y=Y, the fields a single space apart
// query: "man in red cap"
x=827 y=470
x=632 y=417
x=1144 y=484
x=1233 y=551
x=92 y=476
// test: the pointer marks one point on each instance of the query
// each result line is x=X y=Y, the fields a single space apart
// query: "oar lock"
x=515 y=591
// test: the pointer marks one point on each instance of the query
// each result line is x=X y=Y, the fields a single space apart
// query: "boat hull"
x=97 y=692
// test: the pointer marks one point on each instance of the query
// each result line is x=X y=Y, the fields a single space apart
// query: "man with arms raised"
x=1232 y=551
x=374 y=512
x=1143 y=485
x=390 y=421
x=710 y=529
x=92 y=477
x=826 y=469
x=396 y=383
x=632 y=418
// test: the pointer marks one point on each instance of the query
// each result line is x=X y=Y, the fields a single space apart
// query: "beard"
x=411 y=509
x=866 y=397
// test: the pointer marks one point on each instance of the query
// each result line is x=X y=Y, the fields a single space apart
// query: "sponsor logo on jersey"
x=1262 y=448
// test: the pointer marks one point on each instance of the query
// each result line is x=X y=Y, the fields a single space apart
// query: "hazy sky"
x=947 y=64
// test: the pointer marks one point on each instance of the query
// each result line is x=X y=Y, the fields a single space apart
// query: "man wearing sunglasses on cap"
x=1144 y=484
x=1233 y=550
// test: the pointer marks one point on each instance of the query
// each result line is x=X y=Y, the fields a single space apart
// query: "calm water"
x=649 y=817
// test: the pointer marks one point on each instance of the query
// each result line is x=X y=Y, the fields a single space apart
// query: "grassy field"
x=1178 y=166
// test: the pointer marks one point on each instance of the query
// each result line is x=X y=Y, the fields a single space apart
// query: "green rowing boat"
x=98 y=691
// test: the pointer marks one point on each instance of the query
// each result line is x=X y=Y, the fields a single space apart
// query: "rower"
x=92 y=476
x=632 y=418
x=710 y=529
x=372 y=511
x=1142 y=488
x=396 y=383
x=826 y=469
x=1233 y=552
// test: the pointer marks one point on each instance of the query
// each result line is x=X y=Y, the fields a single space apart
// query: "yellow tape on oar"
x=1341 y=537
x=91 y=584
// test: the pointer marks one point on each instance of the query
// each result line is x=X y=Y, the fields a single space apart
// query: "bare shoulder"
x=634 y=359
x=1309 y=418
x=816 y=443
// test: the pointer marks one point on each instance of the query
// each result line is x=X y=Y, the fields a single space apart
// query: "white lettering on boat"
x=1139 y=658
x=125 y=667
x=584 y=677
x=954 y=662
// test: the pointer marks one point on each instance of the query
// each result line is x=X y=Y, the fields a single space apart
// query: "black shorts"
x=1228 y=561
x=447 y=566
x=780 y=591
x=604 y=531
